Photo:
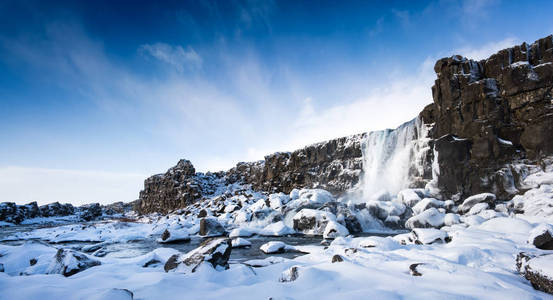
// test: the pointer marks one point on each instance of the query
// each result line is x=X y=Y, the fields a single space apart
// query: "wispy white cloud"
x=484 y=51
x=175 y=56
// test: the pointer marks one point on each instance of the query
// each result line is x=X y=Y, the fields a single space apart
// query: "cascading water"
x=392 y=159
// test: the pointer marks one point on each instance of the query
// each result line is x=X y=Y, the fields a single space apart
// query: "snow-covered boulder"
x=241 y=232
x=313 y=222
x=451 y=219
x=310 y=198
x=65 y=262
x=334 y=229
x=210 y=226
x=427 y=203
x=426 y=236
x=538 y=270
x=477 y=208
x=276 y=247
x=290 y=274
x=408 y=197
x=428 y=218
x=215 y=252
x=542 y=237
x=174 y=236
x=276 y=229
x=276 y=201
x=383 y=209
x=535 y=202
x=240 y=243
x=471 y=201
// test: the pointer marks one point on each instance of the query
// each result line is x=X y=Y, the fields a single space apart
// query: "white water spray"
x=392 y=159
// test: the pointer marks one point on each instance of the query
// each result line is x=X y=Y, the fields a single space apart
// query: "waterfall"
x=393 y=159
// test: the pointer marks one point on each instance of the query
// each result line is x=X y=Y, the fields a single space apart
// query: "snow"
x=334 y=229
x=276 y=247
x=543 y=265
x=240 y=242
x=472 y=200
x=504 y=142
x=428 y=218
x=277 y=229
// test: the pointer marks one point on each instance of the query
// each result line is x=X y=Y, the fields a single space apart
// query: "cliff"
x=491 y=113
x=485 y=117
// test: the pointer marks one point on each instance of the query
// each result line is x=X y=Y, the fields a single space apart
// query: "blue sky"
x=97 y=95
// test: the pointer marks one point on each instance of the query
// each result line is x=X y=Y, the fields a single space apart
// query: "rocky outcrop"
x=333 y=165
x=215 y=252
x=13 y=213
x=488 y=113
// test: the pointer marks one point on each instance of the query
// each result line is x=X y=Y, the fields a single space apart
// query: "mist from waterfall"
x=393 y=159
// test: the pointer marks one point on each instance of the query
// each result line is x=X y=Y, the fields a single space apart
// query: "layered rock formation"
x=487 y=115
x=491 y=112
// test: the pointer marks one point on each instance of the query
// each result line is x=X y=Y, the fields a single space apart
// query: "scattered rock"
x=337 y=258
x=537 y=270
x=413 y=269
x=240 y=243
x=174 y=237
x=289 y=275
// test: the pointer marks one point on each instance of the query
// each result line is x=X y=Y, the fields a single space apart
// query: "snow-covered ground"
x=465 y=249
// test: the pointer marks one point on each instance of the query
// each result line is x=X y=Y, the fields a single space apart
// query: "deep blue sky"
x=96 y=95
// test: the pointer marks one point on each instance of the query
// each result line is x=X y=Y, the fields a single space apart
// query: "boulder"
x=174 y=236
x=471 y=201
x=542 y=237
x=427 y=219
x=90 y=212
x=537 y=270
x=215 y=252
x=312 y=222
x=69 y=262
x=240 y=243
x=211 y=227
x=426 y=236
x=334 y=229
x=289 y=275
x=337 y=258
x=276 y=247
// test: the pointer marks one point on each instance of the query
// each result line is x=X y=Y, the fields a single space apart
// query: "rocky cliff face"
x=334 y=165
x=490 y=113
x=487 y=115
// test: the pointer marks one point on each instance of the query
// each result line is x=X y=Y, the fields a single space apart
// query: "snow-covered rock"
x=538 y=270
x=469 y=202
x=313 y=222
x=451 y=219
x=542 y=236
x=240 y=243
x=427 y=236
x=210 y=226
x=427 y=203
x=428 y=218
x=276 y=247
x=174 y=236
x=276 y=229
x=215 y=252
x=334 y=229
x=409 y=197
x=241 y=232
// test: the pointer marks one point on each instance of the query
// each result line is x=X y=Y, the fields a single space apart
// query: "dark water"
x=136 y=248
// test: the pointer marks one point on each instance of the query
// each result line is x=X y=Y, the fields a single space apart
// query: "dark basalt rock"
x=413 y=269
x=337 y=258
x=69 y=262
x=490 y=112
x=211 y=227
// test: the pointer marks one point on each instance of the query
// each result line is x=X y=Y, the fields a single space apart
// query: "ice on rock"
x=428 y=218
x=383 y=209
x=334 y=229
